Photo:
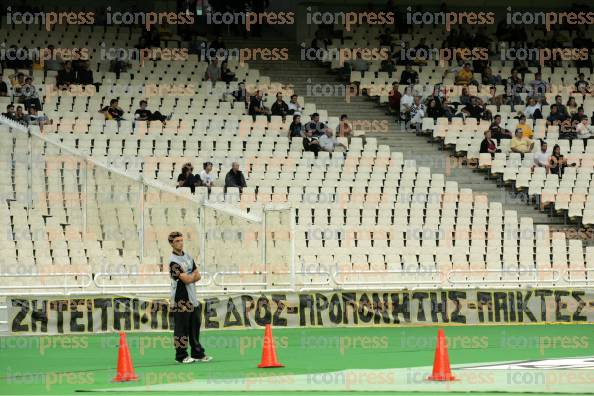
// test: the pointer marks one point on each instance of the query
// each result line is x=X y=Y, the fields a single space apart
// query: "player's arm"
x=178 y=274
x=195 y=273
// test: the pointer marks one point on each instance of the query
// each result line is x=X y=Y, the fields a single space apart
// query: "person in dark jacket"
x=235 y=178
x=311 y=143
x=280 y=107
x=488 y=145
x=187 y=179
x=66 y=77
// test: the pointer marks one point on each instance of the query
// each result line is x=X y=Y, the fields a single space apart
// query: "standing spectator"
x=296 y=128
x=29 y=94
x=257 y=106
x=488 y=145
x=294 y=106
x=409 y=76
x=520 y=143
x=235 y=178
x=311 y=143
x=187 y=179
x=143 y=114
x=279 y=107
x=66 y=77
x=329 y=143
x=206 y=175
x=213 y=72
x=113 y=111
x=317 y=127
x=344 y=127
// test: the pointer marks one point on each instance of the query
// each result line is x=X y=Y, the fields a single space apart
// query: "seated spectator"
x=476 y=109
x=257 y=107
x=406 y=101
x=206 y=175
x=409 y=76
x=394 y=99
x=488 y=145
x=557 y=162
x=572 y=107
x=555 y=118
x=541 y=158
x=489 y=78
x=584 y=130
x=9 y=112
x=19 y=116
x=533 y=109
x=311 y=143
x=317 y=127
x=520 y=143
x=388 y=66
x=465 y=97
x=464 y=75
x=240 y=94
x=581 y=85
x=294 y=107
x=358 y=64
x=234 y=178
x=296 y=128
x=187 y=179
x=434 y=109
x=538 y=87
x=344 y=127
x=17 y=81
x=3 y=86
x=29 y=94
x=226 y=74
x=143 y=114
x=577 y=117
x=561 y=109
x=213 y=71
x=36 y=118
x=526 y=130
x=279 y=107
x=66 y=77
x=329 y=143
x=113 y=111
x=417 y=112
x=84 y=76
x=497 y=132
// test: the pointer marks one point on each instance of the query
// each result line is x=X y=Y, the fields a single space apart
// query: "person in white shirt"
x=206 y=175
x=541 y=158
x=417 y=112
x=328 y=142
x=406 y=101
x=584 y=129
x=533 y=109
x=294 y=107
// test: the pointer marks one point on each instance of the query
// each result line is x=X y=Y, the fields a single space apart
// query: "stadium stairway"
x=315 y=83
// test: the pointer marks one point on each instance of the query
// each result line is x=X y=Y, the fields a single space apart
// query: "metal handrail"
x=567 y=272
x=100 y=275
x=383 y=282
x=501 y=271
x=64 y=286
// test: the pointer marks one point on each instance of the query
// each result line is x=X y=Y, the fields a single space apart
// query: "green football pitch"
x=487 y=360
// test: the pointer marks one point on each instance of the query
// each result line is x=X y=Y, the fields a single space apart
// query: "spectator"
x=296 y=128
x=581 y=85
x=329 y=143
x=19 y=116
x=527 y=132
x=17 y=81
x=36 y=118
x=279 y=107
x=417 y=112
x=213 y=71
x=434 y=109
x=257 y=106
x=311 y=143
x=577 y=117
x=488 y=145
x=235 y=178
x=206 y=175
x=226 y=74
x=3 y=86
x=515 y=83
x=9 y=112
x=409 y=76
x=344 y=127
x=54 y=63
x=560 y=107
x=572 y=107
x=497 y=100
x=358 y=64
x=520 y=143
x=388 y=66
x=29 y=94
x=464 y=75
x=538 y=87
x=113 y=111
x=489 y=78
x=557 y=162
x=541 y=158
x=143 y=114
x=317 y=127
x=66 y=77
x=84 y=76
x=240 y=94
x=294 y=107
x=497 y=132
x=187 y=179
x=465 y=97
x=533 y=109
x=394 y=100
x=475 y=109
x=555 y=117
x=405 y=103
x=584 y=130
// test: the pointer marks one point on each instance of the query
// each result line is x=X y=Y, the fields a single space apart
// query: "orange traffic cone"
x=441 y=364
x=269 y=351
x=125 y=368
